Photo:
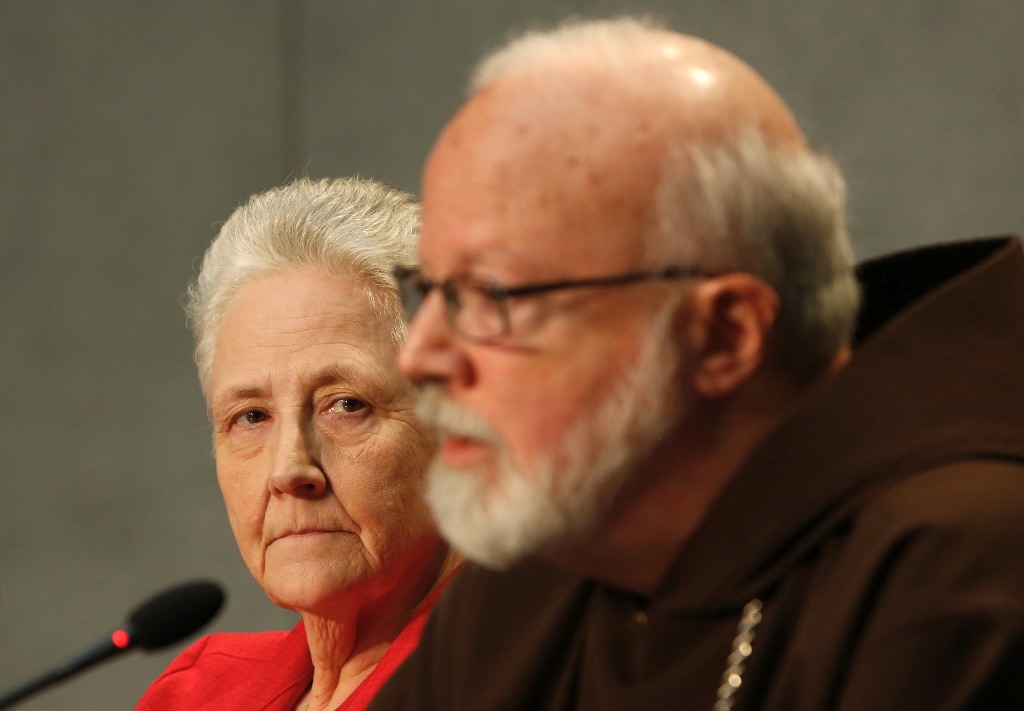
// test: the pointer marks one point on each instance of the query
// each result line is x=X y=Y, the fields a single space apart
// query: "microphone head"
x=175 y=614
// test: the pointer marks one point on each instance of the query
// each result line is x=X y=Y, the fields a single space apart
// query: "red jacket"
x=264 y=671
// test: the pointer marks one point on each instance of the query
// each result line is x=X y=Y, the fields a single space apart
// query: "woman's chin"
x=308 y=587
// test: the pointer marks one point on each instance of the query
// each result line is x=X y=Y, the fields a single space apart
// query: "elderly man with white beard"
x=690 y=476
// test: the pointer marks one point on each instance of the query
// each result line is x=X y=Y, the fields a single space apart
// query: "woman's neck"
x=340 y=661
x=346 y=645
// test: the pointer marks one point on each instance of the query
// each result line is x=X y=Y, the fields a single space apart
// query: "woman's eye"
x=250 y=418
x=347 y=405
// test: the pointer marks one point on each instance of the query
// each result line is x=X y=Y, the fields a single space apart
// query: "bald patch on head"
x=722 y=94
x=705 y=88
x=576 y=134
x=656 y=87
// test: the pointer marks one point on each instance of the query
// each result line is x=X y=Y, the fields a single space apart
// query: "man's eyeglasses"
x=479 y=309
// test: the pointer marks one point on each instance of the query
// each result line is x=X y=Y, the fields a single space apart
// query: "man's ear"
x=728 y=326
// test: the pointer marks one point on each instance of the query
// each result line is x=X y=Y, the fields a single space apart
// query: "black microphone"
x=164 y=619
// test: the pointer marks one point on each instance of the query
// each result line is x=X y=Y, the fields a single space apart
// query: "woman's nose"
x=295 y=468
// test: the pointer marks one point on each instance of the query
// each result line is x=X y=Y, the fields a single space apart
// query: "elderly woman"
x=320 y=456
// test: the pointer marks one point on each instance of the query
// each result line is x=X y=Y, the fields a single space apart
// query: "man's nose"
x=432 y=352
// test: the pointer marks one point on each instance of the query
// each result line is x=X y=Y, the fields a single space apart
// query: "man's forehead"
x=516 y=179
x=521 y=116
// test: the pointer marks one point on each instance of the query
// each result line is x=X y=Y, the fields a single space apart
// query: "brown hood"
x=937 y=375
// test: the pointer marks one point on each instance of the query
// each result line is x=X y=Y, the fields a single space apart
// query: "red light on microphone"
x=121 y=639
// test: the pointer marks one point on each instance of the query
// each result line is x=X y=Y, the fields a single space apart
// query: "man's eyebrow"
x=499 y=255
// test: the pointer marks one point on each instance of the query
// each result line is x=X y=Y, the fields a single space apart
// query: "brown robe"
x=881 y=529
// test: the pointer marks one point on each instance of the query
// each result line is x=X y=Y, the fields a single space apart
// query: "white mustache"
x=437 y=410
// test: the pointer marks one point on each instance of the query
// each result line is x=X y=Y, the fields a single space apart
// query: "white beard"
x=496 y=518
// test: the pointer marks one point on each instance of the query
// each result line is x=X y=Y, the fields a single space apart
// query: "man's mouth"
x=457 y=451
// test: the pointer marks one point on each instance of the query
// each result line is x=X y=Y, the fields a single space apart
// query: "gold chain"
x=742 y=648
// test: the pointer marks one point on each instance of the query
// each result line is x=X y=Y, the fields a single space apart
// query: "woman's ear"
x=727 y=330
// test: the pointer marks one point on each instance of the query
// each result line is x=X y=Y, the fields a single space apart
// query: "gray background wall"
x=130 y=130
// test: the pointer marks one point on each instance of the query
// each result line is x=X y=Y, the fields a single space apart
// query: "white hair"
x=777 y=212
x=609 y=45
x=348 y=227
x=735 y=202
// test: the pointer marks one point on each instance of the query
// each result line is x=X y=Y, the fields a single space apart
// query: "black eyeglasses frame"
x=412 y=281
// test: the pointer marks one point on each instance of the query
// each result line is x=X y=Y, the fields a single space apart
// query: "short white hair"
x=732 y=203
x=777 y=212
x=346 y=228
x=609 y=45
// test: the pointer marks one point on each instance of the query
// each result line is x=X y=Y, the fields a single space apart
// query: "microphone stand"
x=164 y=619
x=101 y=651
